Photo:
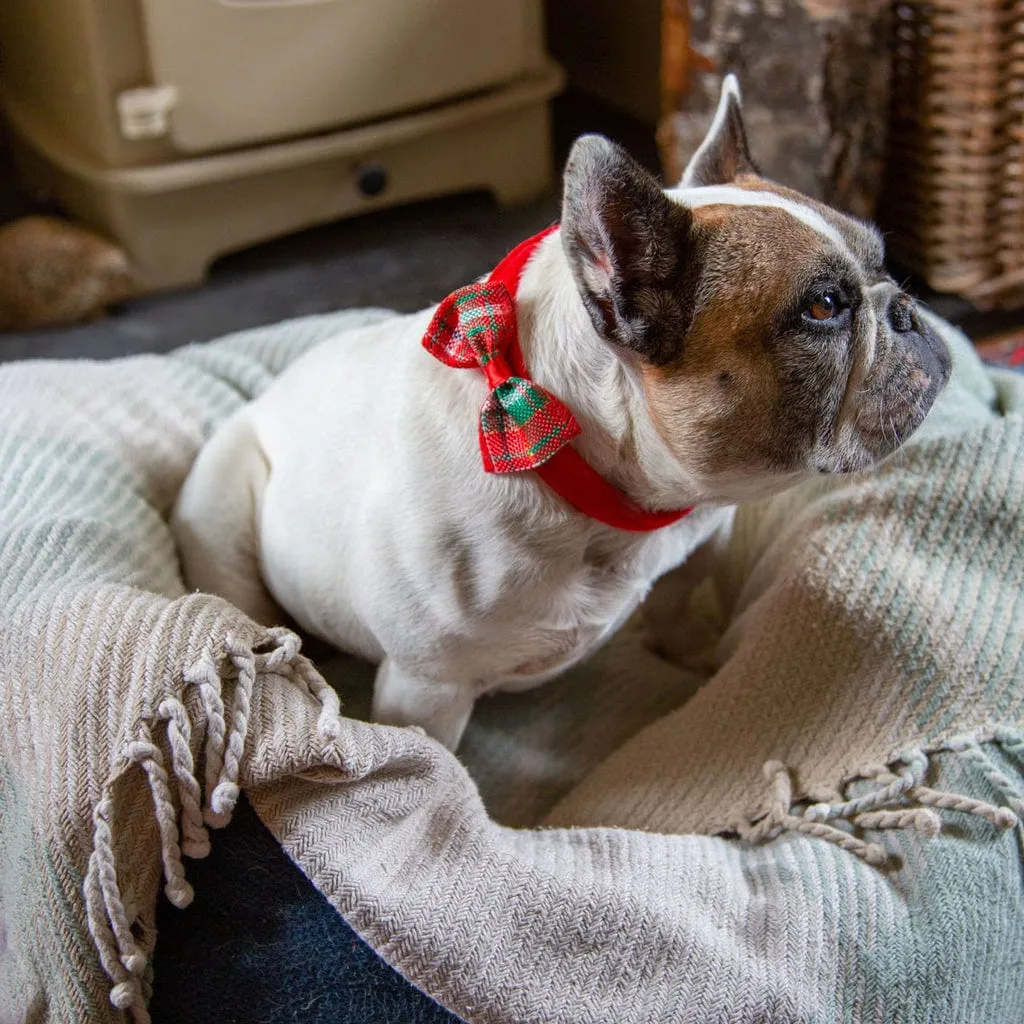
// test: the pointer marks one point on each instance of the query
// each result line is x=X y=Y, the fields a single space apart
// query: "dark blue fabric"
x=261 y=945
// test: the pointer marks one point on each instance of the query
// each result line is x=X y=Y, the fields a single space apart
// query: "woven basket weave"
x=953 y=203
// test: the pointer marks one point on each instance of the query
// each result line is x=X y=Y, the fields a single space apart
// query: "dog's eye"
x=826 y=306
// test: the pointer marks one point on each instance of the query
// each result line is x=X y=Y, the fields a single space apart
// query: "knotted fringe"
x=183 y=824
x=901 y=801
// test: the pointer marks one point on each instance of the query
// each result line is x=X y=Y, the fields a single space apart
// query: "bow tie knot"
x=521 y=424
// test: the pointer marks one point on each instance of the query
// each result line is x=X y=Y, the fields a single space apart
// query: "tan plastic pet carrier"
x=191 y=128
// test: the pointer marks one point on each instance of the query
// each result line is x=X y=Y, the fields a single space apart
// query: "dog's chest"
x=590 y=600
x=598 y=589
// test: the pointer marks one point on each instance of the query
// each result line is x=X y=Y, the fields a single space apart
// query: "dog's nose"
x=900 y=313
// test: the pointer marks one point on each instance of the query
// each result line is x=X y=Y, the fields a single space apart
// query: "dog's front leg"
x=442 y=709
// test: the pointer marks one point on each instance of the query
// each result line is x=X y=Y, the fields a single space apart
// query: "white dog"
x=662 y=351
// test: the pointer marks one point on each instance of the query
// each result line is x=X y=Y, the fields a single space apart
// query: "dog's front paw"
x=439 y=709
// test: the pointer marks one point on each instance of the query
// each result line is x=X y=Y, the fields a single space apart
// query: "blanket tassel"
x=901 y=801
x=185 y=831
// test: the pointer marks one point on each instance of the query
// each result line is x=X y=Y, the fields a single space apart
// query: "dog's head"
x=768 y=336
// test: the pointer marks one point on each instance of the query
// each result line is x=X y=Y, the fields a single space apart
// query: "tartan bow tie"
x=521 y=424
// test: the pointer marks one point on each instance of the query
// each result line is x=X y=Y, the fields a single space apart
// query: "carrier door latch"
x=143 y=113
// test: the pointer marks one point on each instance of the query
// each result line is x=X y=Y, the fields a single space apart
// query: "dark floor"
x=404 y=259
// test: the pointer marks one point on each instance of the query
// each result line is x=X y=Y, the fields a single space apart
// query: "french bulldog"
x=704 y=345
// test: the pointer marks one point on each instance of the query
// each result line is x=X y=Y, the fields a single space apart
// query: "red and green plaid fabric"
x=521 y=424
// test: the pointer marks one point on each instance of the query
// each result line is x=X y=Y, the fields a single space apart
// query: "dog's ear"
x=631 y=250
x=723 y=155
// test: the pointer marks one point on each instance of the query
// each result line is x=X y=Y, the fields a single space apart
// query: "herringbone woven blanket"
x=867 y=862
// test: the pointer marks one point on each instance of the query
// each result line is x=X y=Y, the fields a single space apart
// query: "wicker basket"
x=953 y=203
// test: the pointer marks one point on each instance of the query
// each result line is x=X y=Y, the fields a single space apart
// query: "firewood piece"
x=54 y=272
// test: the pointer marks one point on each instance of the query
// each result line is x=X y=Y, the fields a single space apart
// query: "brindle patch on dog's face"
x=787 y=349
x=760 y=387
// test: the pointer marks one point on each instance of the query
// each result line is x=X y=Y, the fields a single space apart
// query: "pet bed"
x=829 y=829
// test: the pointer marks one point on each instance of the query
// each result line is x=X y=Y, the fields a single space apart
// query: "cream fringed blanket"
x=866 y=643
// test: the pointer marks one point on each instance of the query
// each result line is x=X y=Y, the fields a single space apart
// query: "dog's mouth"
x=890 y=412
x=847 y=464
x=892 y=407
x=888 y=423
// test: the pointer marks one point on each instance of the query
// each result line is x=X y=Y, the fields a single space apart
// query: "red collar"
x=566 y=472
